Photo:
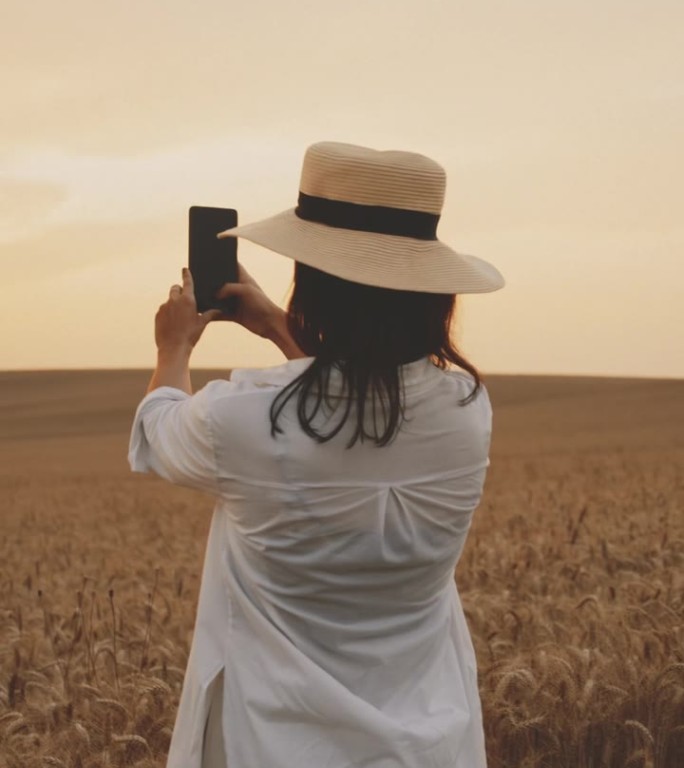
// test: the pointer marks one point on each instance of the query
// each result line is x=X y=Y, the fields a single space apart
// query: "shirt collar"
x=414 y=374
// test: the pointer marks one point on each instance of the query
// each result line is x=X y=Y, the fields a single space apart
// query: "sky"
x=559 y=125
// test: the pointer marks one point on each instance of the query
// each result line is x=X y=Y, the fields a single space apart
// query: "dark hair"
x=366 y=333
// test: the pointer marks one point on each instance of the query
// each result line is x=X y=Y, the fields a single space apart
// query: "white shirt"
x=328 y=598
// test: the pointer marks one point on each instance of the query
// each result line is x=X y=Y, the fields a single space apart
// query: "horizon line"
x=486 y=374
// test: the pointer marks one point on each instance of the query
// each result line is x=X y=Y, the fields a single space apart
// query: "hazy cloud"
x=25 y=204
x=242 y=170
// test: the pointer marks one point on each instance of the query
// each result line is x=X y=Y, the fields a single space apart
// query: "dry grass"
x=572 y=578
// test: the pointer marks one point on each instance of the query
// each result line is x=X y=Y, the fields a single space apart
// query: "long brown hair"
x=367 y=333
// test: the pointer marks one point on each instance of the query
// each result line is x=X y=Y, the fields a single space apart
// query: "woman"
x=329 y=629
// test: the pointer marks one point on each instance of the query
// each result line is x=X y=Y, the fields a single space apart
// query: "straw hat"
x=371 y=217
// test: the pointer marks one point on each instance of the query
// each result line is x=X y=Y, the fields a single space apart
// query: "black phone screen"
x=212 y=262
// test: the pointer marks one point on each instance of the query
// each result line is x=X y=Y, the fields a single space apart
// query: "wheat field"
x=572 y=577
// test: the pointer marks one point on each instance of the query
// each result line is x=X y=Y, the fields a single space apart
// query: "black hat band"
x=368 y=218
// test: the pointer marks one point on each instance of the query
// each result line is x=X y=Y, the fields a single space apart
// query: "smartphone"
x=212 y=262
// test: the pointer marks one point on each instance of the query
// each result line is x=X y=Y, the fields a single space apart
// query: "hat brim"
x=385 y=261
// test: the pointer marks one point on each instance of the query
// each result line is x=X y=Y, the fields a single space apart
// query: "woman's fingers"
x=188 y=283
x=245 y=277
x=232 y=289
x=211 y=314
x=255 y=311
x=187 y=290
x=177 y=321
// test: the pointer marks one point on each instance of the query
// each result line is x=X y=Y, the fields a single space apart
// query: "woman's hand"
x=255 y=311
x=258 y=314
x=177 y=324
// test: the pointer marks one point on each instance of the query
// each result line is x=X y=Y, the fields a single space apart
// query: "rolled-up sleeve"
x=171 y=437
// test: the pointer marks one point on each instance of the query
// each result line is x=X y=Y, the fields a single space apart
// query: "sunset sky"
x=560 y=125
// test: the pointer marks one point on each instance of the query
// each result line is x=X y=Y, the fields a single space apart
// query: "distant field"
x=572 y=577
